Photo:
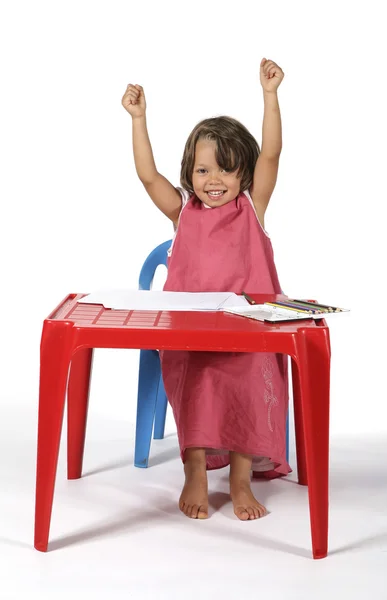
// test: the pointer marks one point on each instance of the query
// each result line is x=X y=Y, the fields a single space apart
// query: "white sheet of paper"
x=155 y=300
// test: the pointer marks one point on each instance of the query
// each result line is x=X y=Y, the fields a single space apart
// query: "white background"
x=75 y=218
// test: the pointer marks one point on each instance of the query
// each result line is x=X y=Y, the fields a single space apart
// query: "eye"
x=201 y=171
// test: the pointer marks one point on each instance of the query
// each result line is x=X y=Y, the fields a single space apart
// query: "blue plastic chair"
x=151 y=397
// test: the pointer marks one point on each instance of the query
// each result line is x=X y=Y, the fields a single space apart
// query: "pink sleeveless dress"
x=226 y=401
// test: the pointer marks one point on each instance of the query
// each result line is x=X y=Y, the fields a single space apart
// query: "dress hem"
x=274 y=465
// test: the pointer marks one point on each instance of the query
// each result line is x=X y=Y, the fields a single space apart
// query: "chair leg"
x=161 y=411
x=298 y=423
x=148 y=383
x=77 y=405
x=55 y=356
x=314 y=376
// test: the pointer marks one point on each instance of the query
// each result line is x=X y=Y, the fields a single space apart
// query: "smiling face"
x=212 y=185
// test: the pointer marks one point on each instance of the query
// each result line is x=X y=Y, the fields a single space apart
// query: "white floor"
x=117 y=532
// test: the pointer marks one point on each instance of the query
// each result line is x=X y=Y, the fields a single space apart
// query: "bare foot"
x=246 y=506
x=194 y=497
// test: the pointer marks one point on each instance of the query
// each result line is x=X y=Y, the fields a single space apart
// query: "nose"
x=214 y=177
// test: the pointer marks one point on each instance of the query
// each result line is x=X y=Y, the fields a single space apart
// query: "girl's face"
x=212 y=185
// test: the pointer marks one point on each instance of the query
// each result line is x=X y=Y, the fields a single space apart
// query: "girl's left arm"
x=266 y=168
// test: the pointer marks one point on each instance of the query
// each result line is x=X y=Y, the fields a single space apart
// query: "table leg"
x=313 y=357
x=300 y=442
x=55 y=355
x=77 y=405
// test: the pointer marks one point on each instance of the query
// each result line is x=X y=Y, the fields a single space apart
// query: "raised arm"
x=164 y=195
x=266 y=169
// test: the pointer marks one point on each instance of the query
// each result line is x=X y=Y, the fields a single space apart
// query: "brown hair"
x=236 y=149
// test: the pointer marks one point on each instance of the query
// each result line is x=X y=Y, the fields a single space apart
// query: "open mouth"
x=215 y=194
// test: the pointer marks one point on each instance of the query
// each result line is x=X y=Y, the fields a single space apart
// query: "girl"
x=229 y=408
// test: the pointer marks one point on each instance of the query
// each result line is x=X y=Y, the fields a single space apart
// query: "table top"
x=95 y=316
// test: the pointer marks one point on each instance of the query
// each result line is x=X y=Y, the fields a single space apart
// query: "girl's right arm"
x=164 y=195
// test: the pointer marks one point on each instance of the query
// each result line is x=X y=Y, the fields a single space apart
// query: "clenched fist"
x=134 y=101
x=271 y=75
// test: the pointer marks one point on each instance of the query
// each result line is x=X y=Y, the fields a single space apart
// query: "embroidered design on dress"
x=269 y=395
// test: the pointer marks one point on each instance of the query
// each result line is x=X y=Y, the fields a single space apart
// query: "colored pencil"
x=293 y=304
x=330 y=308
x=318 y=306
x=289 y=307
x=290 y=304
x=304 y=305
x=248 y=298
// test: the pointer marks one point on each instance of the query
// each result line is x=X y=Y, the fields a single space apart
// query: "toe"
x=194 y=511
x=202 y=513
x=242 y=513
x=250 y=510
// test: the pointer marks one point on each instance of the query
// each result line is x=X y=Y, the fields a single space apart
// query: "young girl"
x=229 y=408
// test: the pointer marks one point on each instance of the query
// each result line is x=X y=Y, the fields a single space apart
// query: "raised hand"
x=271 y=75
x=134 y=101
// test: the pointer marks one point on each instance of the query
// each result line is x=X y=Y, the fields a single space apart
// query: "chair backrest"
x=157 y=257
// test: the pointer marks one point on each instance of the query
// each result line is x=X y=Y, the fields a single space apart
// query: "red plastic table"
x=72 y=331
